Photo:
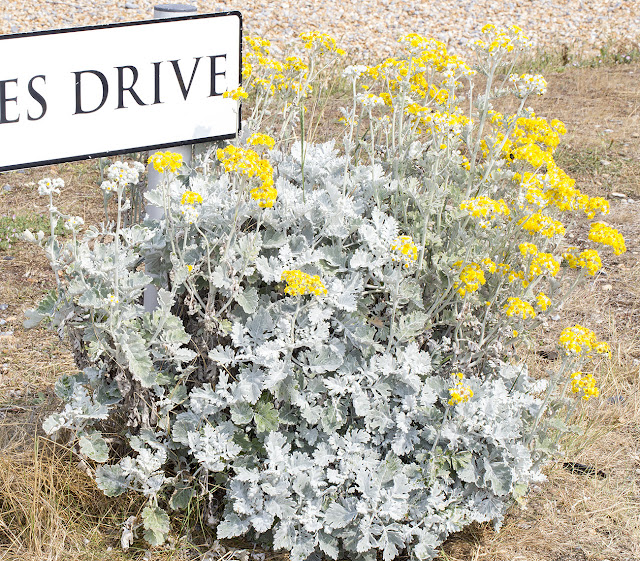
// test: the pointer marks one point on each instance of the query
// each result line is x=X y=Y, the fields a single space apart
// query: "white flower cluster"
x=354 y=71
x=121 y=174
x=370 y=100
x=49 y=186
x=189 y=213
x=528 y=84
x=73 y=223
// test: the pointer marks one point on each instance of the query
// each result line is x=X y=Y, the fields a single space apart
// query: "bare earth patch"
x=49 y=508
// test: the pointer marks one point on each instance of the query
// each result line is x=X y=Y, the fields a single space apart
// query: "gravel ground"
x=368 y=29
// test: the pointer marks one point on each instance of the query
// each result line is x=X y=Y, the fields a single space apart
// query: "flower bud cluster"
x=299 y=283
x=49 y=186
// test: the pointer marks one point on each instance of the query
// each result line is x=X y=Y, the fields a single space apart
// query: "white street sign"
x=95 y=91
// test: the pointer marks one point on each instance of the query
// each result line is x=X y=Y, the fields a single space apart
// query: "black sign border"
x=27 y=165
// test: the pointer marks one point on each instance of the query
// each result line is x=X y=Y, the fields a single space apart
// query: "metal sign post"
x=154 y=178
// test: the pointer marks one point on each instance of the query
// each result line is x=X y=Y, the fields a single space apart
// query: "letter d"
x=105 y=90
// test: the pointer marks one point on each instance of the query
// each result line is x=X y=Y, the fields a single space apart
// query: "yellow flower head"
x=543 y=301
x=299 y=283
x=588 y=259
x=581 y=340
x=238 y=93
x=542 y=224
x=472 y=277
x=459 y=393
x=314 y=40
x=585 y=384
x=528 y=249
x=191 y=197
x=262 y=140
x=601 y=233
x=405 y=250
x=247 y=162
x=163 y=161
x=519 y=308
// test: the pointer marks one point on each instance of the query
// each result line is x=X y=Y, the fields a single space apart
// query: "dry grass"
x=50 y=509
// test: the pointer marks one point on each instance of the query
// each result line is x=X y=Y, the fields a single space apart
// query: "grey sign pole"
x=163 y=11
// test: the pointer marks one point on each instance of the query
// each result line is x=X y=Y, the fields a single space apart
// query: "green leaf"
x=156 y=524
x=248 y=300
x=46 y=308
x=265 y=417
x=410 y=326
x=94 y=446
x=112 y=480
x=241 y=413
x=499 y=476
x=135 y=350
x=181 y=498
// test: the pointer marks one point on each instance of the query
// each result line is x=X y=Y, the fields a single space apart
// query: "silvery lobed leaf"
x=156 y=524
x=111 y=479
x=94 y=446
x=231 y=527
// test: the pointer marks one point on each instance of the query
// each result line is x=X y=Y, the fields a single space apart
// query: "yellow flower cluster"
x=489 y=265
x=543 y=263
x=262 y=140
x=556 y=188
x=472 y=276
x=238 y=93
x=248 y=163
x=518 y=307
x=405 y=250
x=601 y=233
x=191 y=197
x=588 y=259
x=163 y=161
x=543 y=301
x=299 y=283
x=499 y=40
x=528 y=249
x=320 y=41
x=459 y=393
x=483 y=206
x=581 y=340
x=542 y=224
x=584 y=383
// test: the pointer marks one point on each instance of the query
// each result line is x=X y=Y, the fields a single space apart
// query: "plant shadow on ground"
x=50 y=508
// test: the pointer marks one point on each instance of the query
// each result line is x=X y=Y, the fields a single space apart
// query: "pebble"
x=4 y=306
x=7 y=188
x=368 y=29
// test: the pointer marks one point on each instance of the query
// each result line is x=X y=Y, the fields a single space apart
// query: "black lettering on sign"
x=176 y=68
x=105 y=90
x=3 y=102
x=38 y=97
x=156 y=82
x=122 y=89
x=214 y=74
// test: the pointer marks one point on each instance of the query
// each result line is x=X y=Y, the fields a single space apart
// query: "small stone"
x=3 y=321
x=607 y=287
x=8 y=258
x=4 y=306
x=608 y=131
x=618 y=195
x=635 y=135
x=6 y=188
x=130 y=6
x=605 y=162
x=555 y=317
x=15 y=29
